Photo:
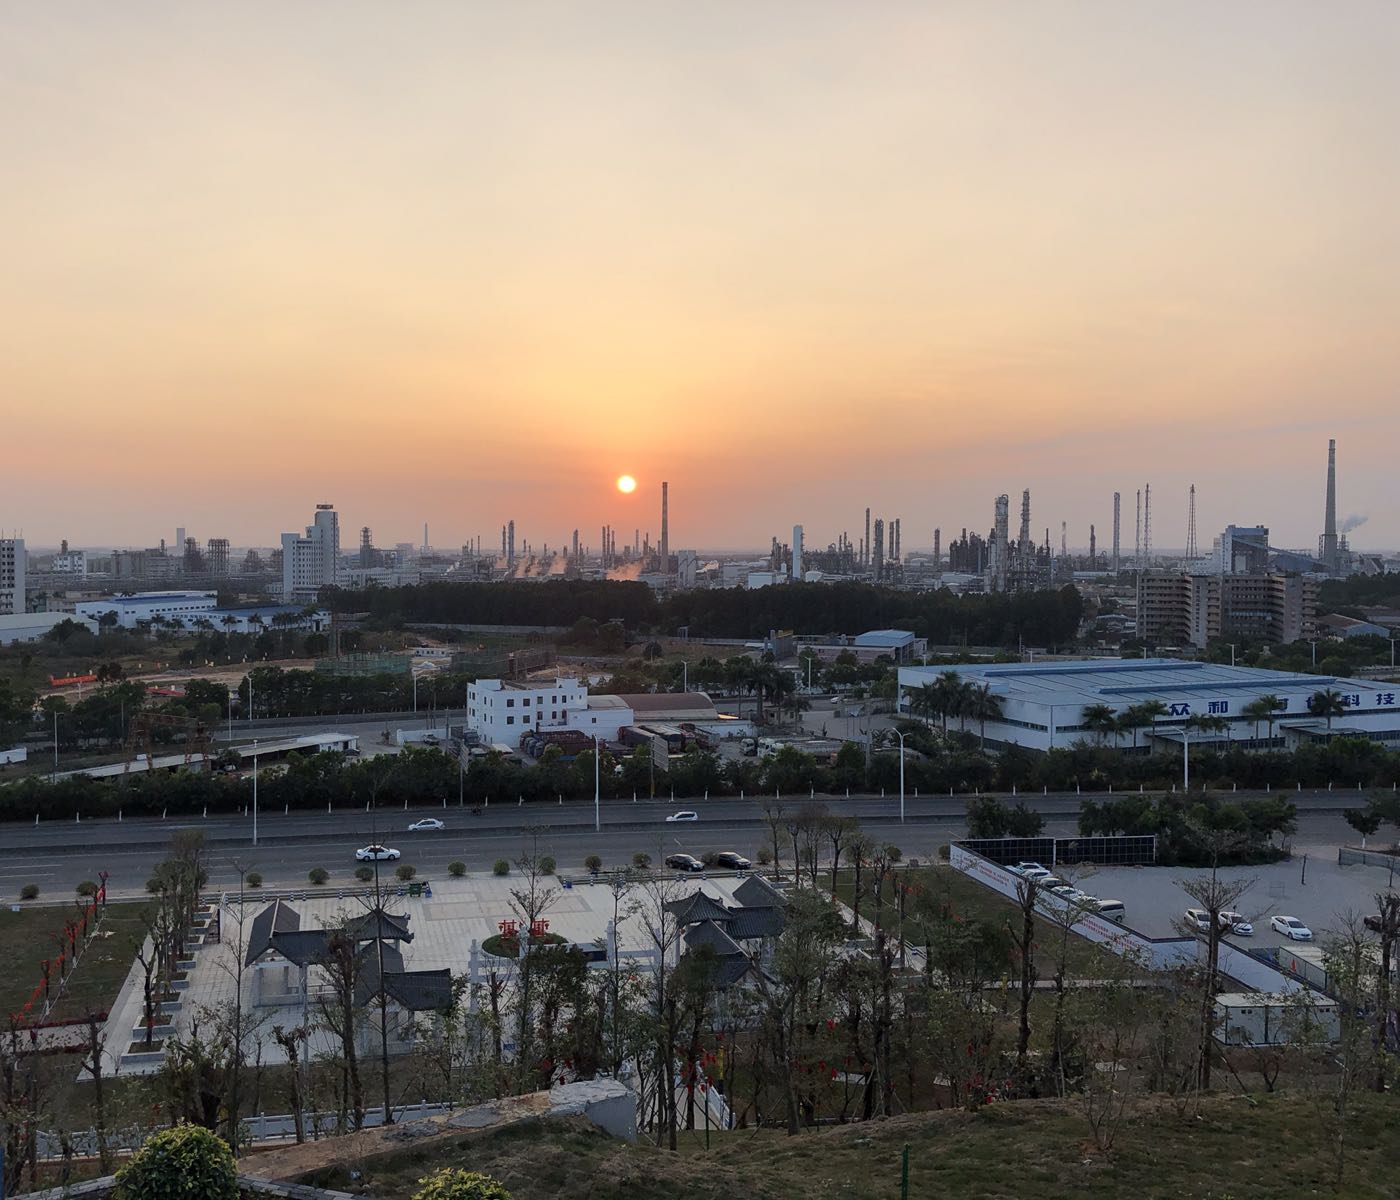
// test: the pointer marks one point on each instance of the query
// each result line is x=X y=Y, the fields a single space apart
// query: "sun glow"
x=626 y=484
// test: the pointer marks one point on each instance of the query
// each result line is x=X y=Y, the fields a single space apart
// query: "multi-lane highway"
x=56 y=855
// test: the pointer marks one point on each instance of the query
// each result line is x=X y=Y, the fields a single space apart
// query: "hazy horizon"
x=471 y=263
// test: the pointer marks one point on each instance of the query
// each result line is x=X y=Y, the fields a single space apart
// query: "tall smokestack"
x=665 y=531
x=1117 y=505
x=797 y=554
x=1329 y=522
x=937 y=551
x=865 y=552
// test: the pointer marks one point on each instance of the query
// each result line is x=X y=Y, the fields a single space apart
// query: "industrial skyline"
x=1060 y=252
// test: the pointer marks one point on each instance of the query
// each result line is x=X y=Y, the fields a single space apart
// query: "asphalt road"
x=58 y=854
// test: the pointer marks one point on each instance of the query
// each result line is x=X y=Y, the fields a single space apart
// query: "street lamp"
x=900 y=735
x=597 y=786
x=255 y=791
x=1232 y=652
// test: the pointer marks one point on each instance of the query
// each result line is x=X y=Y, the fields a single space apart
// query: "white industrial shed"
x=1043 y=704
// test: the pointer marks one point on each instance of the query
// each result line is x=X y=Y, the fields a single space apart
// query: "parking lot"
x=1155 y=901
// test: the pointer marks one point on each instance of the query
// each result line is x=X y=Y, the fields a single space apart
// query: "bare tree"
x=1387 y=923
x=663 y=932
x=1213 y=896
x=292 y=1042
x=1021 y=927
x=1348 y=956
x=840 y=833
x=92 y=1064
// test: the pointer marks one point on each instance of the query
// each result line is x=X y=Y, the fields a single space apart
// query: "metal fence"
x=1127 y=851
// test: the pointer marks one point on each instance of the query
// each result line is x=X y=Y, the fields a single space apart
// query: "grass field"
x=29 y=935
x=1232 y=1150
x=935 y=886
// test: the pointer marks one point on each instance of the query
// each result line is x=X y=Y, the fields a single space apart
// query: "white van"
x=1114 y=910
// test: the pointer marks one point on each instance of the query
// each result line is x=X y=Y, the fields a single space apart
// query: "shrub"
x=253 y=879
x=593 y=864
x=29 y=891
x=453 y=1183
x=765 y=856
x=364 y=874
x=710 y=857
x=456 y=869
x=404 y=872
x=641 y=860
x=501 y=868
x=87 y=888
x=154 y=884
x=318 y=875
x=547 y=865
x=188 y=1162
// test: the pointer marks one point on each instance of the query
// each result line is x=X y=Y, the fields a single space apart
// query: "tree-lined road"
x=56 y=855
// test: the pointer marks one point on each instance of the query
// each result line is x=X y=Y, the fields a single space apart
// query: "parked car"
x=684 y=815
x=1233 y=922
x=1198 y=919
x=684 y=862
x=732 y=860
x=426 y=824
x=1291 y=928
x=1022 y=868
x=376 y=853
x=1114 y=910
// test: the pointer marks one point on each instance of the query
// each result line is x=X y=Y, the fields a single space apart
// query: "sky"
x=464 y=262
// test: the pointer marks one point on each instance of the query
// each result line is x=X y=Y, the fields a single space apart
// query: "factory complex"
x=1043 y=705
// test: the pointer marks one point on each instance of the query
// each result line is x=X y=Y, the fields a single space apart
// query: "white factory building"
x=34 y=627
x=1043 y=704
x=143 y=607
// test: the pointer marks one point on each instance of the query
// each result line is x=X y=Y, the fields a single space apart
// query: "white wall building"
x=12 y=571
x=69 y=562
x=502 y=710
x=1042 y=704
x=312 y=562
x=31 y=627
x=143 y=607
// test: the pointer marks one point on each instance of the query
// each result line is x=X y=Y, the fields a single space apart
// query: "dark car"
x=735 y=862
x=684 y=862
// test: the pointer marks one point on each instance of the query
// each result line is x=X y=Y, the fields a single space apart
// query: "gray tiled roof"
x=747 y=924
x=698 y=906
x=709 y=933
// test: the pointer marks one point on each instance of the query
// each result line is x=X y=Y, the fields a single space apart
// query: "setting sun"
x=625 y=483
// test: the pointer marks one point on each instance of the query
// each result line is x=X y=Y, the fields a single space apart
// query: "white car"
x=1198 y=919
x=1235 y=923
x=1292 y=928
x=684 y=815
x=1025 y=868
x=426 y=824
x=376 y=854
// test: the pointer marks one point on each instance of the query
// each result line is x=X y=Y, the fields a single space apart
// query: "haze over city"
x=479 y=262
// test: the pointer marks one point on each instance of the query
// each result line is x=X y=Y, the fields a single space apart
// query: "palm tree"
x=1149 y=711
x=949 y=687
x=1276 y=706
x=1260 y=709
x=1327 y=703
x=1130 y=720
x=985 y=706
x=924 y=703
x=1100 y=720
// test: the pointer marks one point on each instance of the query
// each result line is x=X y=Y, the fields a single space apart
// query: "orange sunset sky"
x=469 y=261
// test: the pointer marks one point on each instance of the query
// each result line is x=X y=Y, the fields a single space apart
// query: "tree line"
x=1040 y=618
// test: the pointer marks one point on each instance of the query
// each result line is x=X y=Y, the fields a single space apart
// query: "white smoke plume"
x=1353 y=521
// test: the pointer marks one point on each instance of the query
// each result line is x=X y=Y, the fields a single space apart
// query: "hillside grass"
x=29 y=935
x=1234 y=1149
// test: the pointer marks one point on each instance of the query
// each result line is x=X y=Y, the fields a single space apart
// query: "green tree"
x=1327 y=703
x=1100 y=720
x=187 y=1162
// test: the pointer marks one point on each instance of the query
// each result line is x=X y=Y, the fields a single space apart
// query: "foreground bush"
x=501 y=868
x=318 y=875
x=452 y=1183
x=184 y=1163
x=29 y=891
x=456 y=869
x=404 y=872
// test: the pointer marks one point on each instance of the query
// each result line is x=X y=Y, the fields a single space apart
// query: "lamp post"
x=597 y=785
x=255 y=791
x=1185 y=758
x=685 y=678
x=1232 y=652
x=900 y=735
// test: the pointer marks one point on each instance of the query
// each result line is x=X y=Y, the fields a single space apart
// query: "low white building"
x=1043 y=703
x=501 y=710
x=33 y=627
x=141 y=608
x=1270 y=1019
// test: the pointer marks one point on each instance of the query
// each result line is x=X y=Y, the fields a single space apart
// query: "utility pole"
x=255 y=791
